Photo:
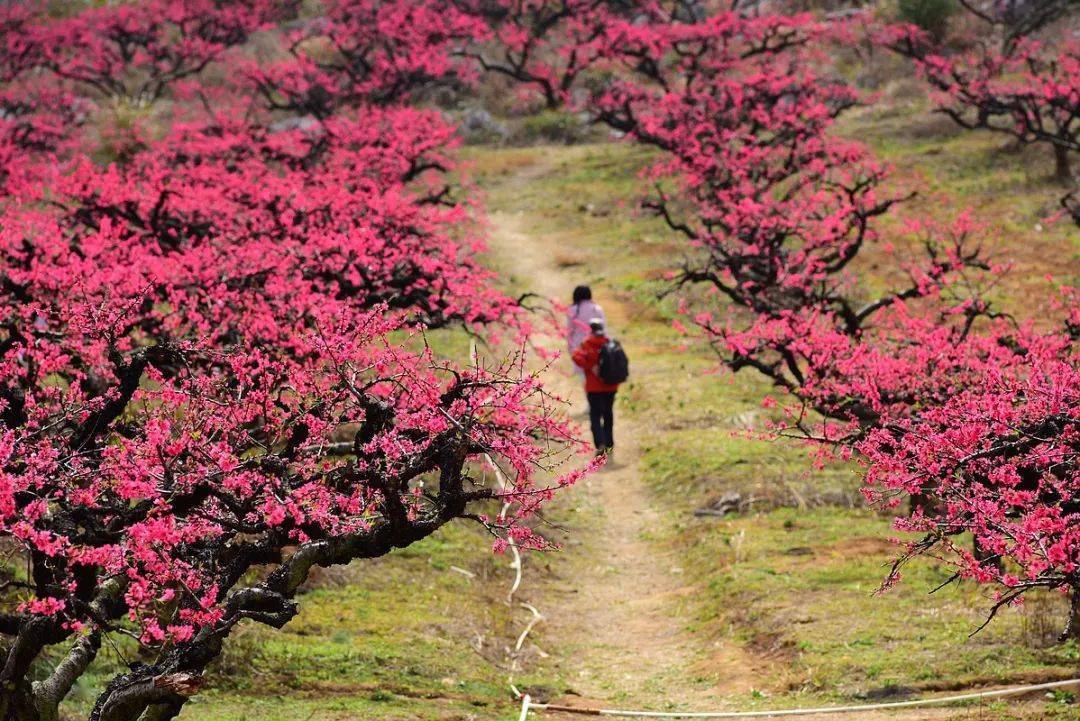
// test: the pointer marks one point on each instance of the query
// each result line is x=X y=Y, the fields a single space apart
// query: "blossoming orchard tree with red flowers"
x=368 y=51
x=543 y=45
x=968 y=413
x=1027 y=87
x=1002 y=459
x=135 y=52
x=213 y=378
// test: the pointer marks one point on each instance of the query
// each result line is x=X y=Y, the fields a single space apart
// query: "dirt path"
x=617 y=619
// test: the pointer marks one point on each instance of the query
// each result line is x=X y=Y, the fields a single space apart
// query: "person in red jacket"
x=601 y=395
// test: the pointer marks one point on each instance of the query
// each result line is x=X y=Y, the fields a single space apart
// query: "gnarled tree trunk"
x=1062 y=168
x=1072 y=627
x=17 y=704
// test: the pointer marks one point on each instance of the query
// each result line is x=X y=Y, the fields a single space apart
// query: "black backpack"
x=614 y=367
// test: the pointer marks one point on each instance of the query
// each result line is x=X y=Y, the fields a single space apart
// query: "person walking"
x=583 y=310
x=604 y=366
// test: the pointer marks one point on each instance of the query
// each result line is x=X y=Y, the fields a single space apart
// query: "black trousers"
x=602 y=419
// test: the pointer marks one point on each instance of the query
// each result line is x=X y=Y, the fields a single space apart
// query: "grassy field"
x=424 y=634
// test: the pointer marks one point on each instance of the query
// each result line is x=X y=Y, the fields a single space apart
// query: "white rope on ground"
x=517 y=565
x=528 y=705
x=537 y=617
x=525 y=705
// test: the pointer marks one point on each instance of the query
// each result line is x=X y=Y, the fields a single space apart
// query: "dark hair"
x=582 y=292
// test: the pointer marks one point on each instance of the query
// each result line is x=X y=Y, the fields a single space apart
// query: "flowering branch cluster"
x=368 y=51
x=1027 y=88
x=544 y=45
x=946 y=401
x=136 y=51
x=213 y=370
x=1000 y=461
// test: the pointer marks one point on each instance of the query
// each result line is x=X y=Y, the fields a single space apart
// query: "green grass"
x=799 y=583
x=408 y=636
x=405 y=637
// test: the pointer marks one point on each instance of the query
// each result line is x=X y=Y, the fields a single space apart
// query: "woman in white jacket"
x=577 y=319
